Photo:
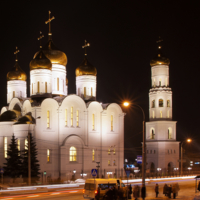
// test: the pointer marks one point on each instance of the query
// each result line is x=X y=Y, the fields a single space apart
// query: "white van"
x=95 y=189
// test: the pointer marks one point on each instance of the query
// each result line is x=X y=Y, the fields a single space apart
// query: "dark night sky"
x=123 y=38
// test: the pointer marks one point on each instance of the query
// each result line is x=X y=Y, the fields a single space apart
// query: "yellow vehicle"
x=95 y=189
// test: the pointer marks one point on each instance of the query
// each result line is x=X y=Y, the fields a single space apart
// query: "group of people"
x=137 y=192
x=171 y=189
x=114 y=193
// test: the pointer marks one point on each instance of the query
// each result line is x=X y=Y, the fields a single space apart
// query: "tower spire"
x=16 y=52
x=49 y=22
x=40 y=39
x=159 y=44
x=85 y=46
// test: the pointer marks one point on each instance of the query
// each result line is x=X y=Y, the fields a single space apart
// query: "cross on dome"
x=85 y=46
x=40 y=39
x=159 y=42
x=16 y=52
x=49 y=22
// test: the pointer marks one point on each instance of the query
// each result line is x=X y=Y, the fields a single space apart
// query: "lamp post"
x=188 y=140
x=144 y=143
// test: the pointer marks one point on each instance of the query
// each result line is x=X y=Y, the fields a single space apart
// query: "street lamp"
x=188 y=140
x=74 y=171
x=144 y=142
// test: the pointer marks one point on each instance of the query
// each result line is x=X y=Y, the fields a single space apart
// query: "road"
x=187 y=191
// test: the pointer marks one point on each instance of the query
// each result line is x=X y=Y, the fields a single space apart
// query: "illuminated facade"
x=72 y=132
x=162 y=149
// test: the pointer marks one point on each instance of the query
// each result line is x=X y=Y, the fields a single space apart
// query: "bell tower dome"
x=16 y=81
x=86 y=78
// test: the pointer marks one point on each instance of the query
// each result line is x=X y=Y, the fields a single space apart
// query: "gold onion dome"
x=16 y=73
x=40 y=61
x=86 y=69
x=53 y=54
x=160 y=59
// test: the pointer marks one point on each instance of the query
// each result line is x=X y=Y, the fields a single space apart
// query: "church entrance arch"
x=170 y=167
x=152 y=168
x=72 y=157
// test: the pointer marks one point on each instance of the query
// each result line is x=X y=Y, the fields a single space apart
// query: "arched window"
x=160 y=102
x=169 y=133
x=5 y=147
x=153 y=104
x=168 y=103
x=58 y=84
x=108 y=151
x=45 y=87
x=108 y=162
x=152 y=133
x=159 y=82
x=72 y=154
x=77 y=118
x=13 y=94
x=93 y=154
x=48 y=119
x=71 y=116
x=111 y=122
x=38 y=87
x=84 y=92
x=153 y=114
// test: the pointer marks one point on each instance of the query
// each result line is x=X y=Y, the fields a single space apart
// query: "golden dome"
x=85 y=69
x=160 y=59
x=40 y=62
x=53 y=54
x=16 y=73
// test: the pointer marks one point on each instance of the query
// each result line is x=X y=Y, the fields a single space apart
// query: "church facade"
x=72 y=132
x=162 y=149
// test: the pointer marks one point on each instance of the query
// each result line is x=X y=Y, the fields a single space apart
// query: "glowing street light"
x=188 y=140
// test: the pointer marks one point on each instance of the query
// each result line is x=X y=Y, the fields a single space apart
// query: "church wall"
x=160 y=73
x=161 y=130
x=5 y=131
x=42 y=76
x=59 y=71
x=19 y=88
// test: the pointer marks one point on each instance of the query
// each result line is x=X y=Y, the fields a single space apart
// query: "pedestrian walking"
x=157 y=189
x=136 y=192
x=129 y=192
x=143 y=192
x=165 y=189
x=169 y=191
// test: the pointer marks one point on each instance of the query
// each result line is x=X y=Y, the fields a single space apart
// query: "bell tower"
x=161 y=145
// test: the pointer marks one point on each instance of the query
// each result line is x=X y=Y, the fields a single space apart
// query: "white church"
x=162 y=149
x=72 y=132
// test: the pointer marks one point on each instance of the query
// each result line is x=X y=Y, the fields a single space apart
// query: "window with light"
x=26 y=144
x=114 y=151
x=160 y=103
x=84 y=91
x=18 y=146
x=48 y=119
x=111 y=122
x=93 y=155
x=153 y=104
x=93 y=122
x=57 y=84
x=38 y=87
x=45 y=87
x=48 y=155
x=168 y=103
x=108 y=151
x=71 y=116
x=5 y=147
x=72 y=154
x=108 y=162
x=13 y=94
